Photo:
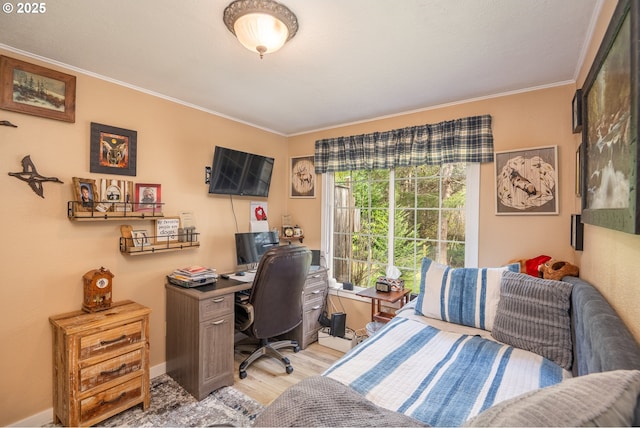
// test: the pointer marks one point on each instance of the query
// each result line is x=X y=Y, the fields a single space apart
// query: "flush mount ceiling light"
x=262 y=26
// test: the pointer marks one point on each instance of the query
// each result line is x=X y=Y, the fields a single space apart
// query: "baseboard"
x=46 y=416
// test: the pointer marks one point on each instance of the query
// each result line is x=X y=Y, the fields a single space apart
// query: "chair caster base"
x=243 y=374
x=289 y=369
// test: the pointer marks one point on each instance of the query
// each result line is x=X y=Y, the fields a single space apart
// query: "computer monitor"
x=252 y=245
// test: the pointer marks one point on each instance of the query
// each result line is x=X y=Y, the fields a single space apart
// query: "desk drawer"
x=113 y=399
x=316 y=278
x=111 y=340
x=216 y=306
x=110 y=369
x=316 y=291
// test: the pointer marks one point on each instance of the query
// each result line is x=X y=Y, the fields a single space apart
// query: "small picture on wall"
x=113 y=150
x=303 y=177
x=527 y=181
x=148 y=197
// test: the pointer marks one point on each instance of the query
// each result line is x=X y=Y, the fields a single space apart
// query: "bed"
x=501 y=359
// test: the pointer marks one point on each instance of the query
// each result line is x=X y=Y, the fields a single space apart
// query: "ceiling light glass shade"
x=262 y=26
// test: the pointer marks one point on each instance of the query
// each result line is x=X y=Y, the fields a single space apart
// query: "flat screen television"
x=234 y=172
x=251 y=246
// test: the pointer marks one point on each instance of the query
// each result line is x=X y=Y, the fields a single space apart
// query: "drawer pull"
x=316 y=276
x=110 y=342
x=217 y=322
x=110 y=372
x=316 y=307
x=316 y=292
x=118 y=398
x=218 y=300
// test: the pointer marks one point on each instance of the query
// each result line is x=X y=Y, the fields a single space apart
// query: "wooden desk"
x=377 y=297
x=200 y=333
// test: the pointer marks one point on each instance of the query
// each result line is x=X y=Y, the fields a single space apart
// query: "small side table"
x=377 y=297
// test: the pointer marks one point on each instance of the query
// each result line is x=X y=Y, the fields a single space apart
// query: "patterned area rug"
x=172 y=406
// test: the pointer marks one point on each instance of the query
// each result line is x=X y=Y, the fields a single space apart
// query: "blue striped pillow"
x=467 y=296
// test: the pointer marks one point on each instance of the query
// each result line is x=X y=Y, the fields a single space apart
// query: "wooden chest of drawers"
x=100 y=363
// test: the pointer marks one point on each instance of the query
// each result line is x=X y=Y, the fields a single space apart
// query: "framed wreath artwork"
x=527 y=181
x=113 y=150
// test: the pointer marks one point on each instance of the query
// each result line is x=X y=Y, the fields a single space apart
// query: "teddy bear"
x=556 y=269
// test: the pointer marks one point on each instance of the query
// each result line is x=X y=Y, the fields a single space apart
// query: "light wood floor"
x=266 y=378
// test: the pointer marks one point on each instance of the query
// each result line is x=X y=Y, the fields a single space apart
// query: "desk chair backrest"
x=276 y=294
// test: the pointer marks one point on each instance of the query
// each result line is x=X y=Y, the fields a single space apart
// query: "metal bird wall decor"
x=30 y=175
x=7 y=123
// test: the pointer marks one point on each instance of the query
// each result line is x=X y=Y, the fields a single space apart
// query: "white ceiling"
x=351 y=60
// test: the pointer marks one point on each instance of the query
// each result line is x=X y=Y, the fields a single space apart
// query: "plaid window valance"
x=467 y=139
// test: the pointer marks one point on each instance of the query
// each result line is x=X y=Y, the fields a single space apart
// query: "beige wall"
x=523 y=120
x=45 y=255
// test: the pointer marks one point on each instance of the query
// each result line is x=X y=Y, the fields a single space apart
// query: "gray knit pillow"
x=598 y=399
x=533 y=314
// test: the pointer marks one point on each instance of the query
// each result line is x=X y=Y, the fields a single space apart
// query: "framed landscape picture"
x=610 y=146
x=35 y=90
x=527 y=181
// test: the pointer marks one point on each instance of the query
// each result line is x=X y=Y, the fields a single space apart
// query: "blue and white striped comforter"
x=439 y=377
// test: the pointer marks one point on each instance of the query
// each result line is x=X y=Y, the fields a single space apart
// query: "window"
x=377 y=218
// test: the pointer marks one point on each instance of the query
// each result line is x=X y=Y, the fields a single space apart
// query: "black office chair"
x=275 y=303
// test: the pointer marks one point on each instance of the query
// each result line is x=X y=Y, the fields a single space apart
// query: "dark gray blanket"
x=323 y=402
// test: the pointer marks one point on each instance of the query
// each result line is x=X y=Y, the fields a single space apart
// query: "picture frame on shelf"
x=113 y=150
x=167 y=230
x=527 y=181
x=302 y=177
x=117 y=193
x=576 y=112
x=610 y=149
x=86 y=193
x=148 y=197
x=36 y=90
x=140 y=238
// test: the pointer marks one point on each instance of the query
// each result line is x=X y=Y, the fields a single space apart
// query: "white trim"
x=326 y=218
x=45 y=417
x=472 y=215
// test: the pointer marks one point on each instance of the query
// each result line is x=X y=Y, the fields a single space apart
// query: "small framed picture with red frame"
x=148 y=198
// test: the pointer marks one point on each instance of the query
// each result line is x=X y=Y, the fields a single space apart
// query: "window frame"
x=472 y=214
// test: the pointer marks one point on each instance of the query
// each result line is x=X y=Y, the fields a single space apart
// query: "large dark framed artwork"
x=35 y=90
x=113 y=150
x=527 y=181
x=610 y=121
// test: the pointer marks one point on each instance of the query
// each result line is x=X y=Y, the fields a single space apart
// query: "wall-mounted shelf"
x=136 y=247
x=290 y=239
x=79 y=211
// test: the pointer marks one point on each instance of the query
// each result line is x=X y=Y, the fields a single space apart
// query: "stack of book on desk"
x=193 y=276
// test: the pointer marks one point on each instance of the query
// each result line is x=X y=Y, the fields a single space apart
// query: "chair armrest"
x=244 y=316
